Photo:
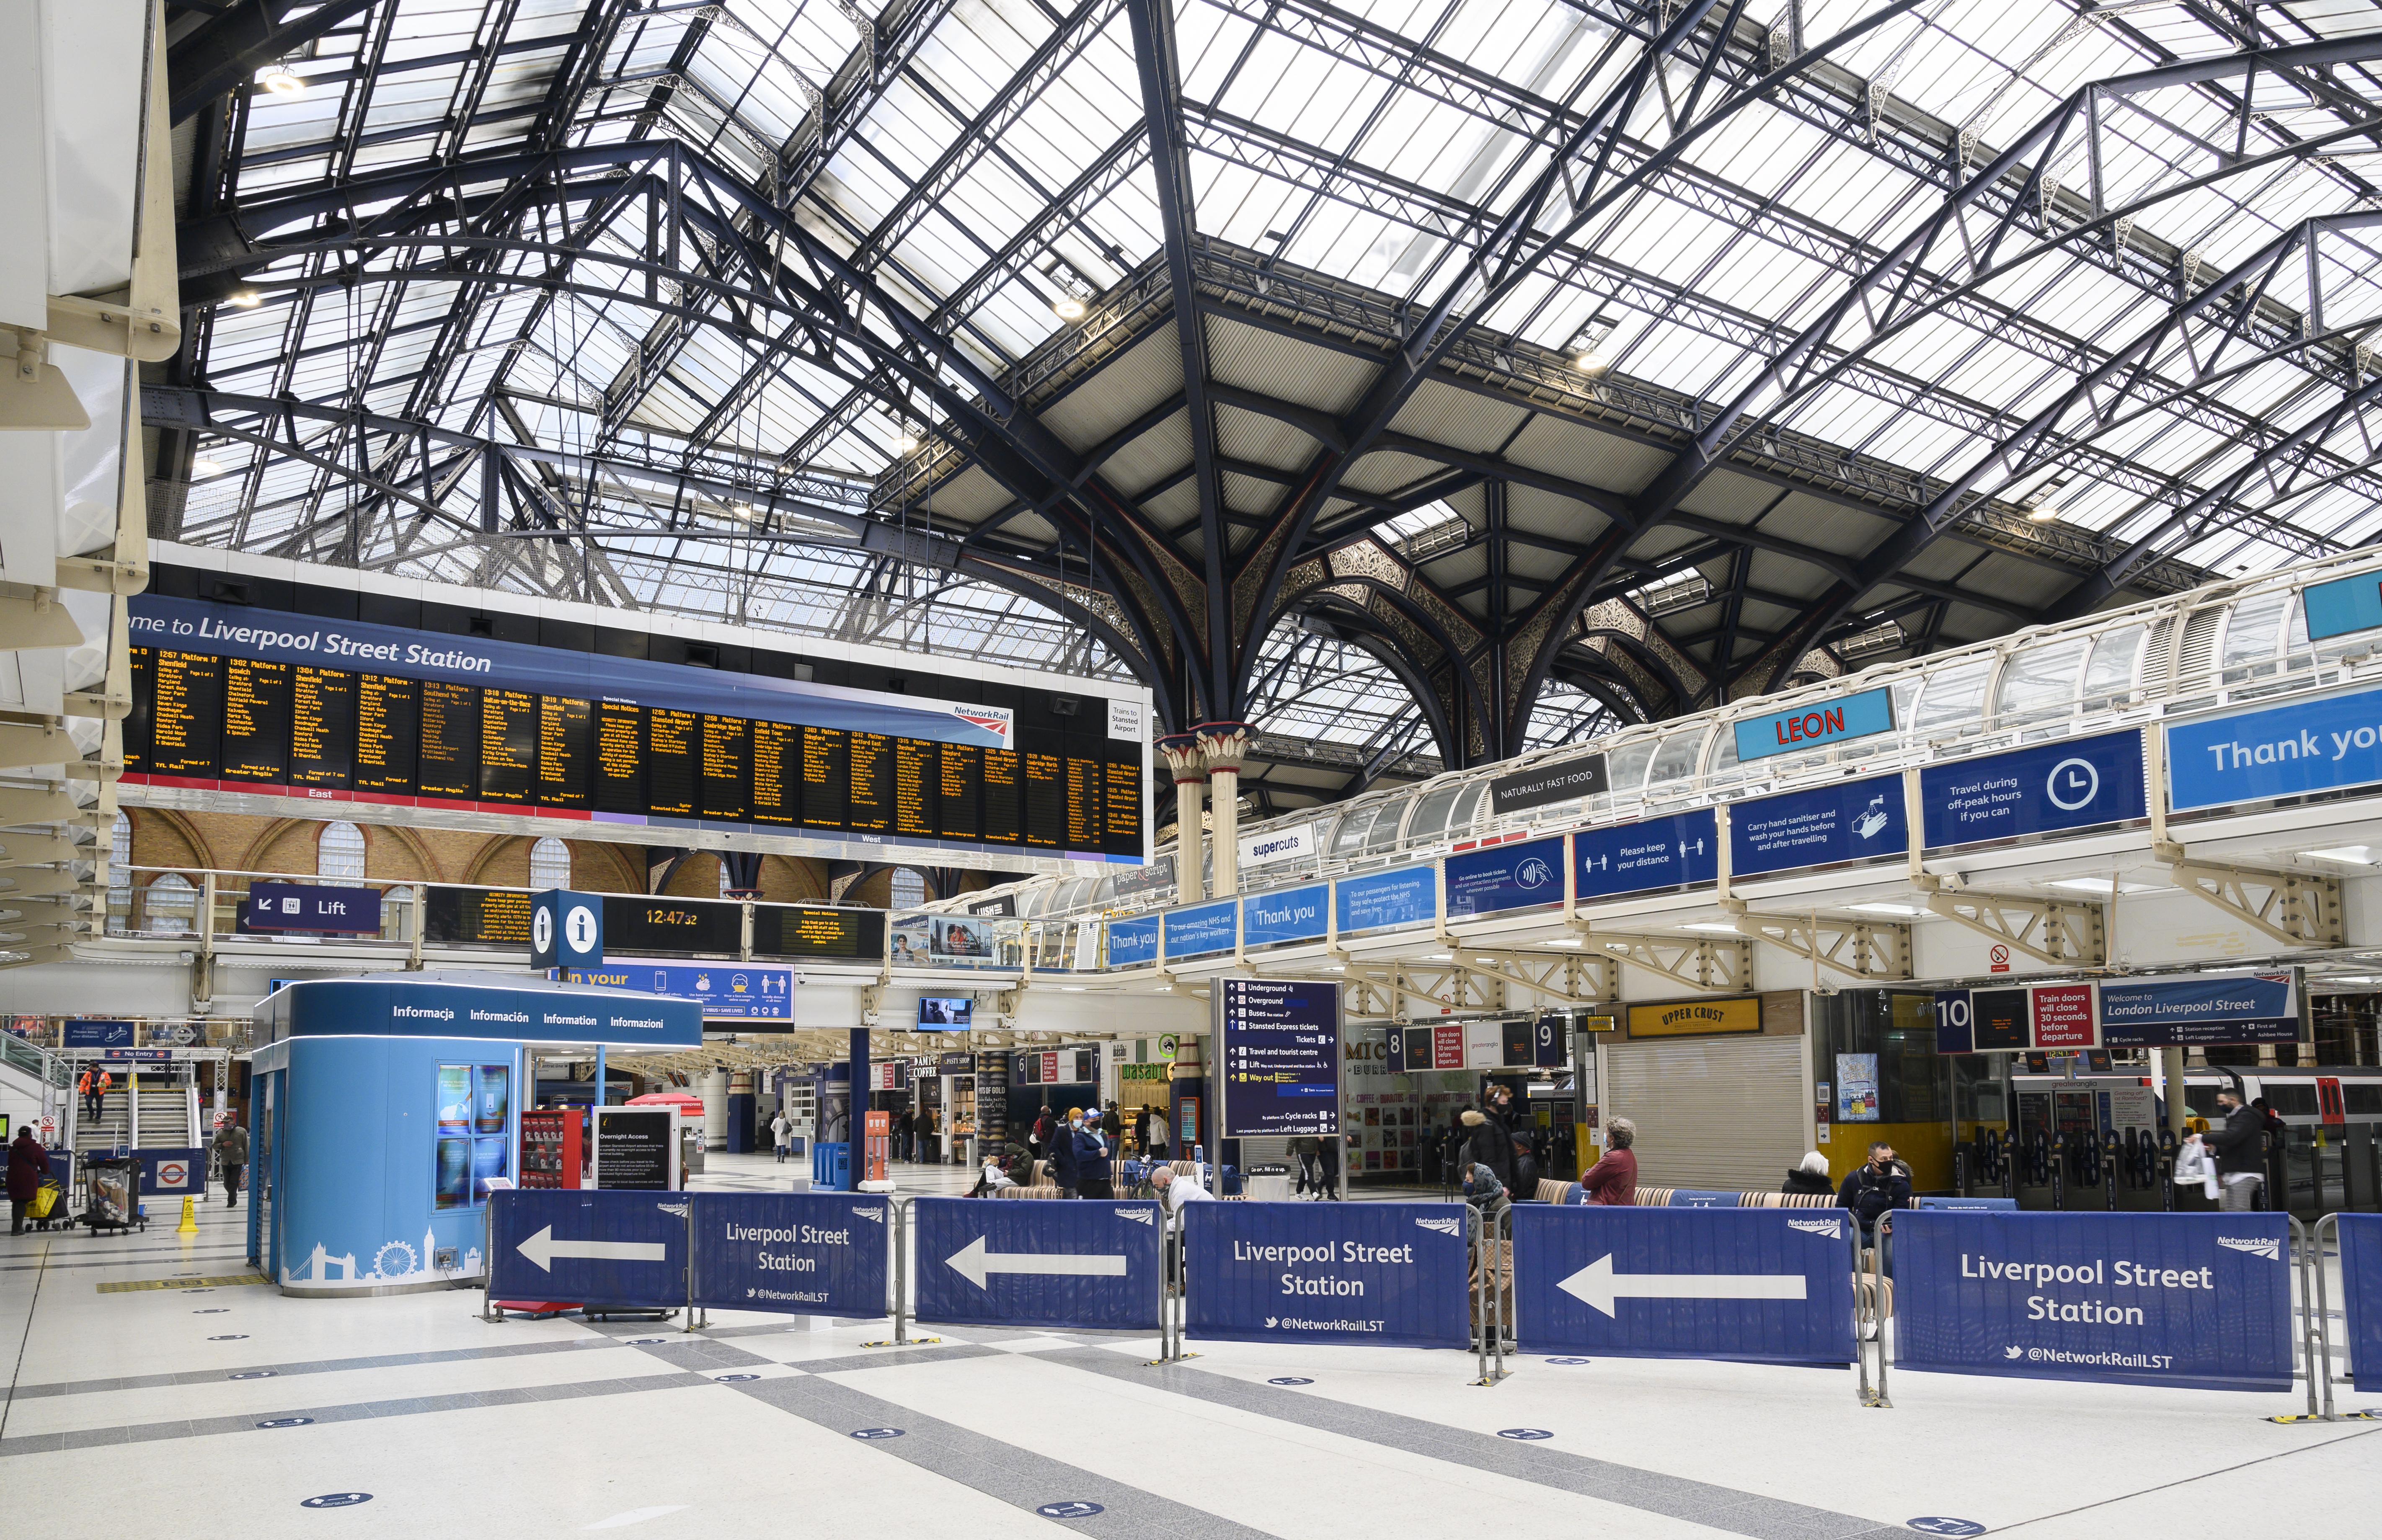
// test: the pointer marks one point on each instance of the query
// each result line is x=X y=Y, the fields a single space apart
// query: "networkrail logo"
x=2264 y=1246
x=1833 y=1229
x=1444 y=1227
x=1138 y=1216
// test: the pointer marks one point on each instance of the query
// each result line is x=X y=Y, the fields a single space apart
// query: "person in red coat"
x=29 y=1167
x=1613 y=1180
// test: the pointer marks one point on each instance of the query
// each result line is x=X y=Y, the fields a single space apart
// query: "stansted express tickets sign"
x=2202 y=1300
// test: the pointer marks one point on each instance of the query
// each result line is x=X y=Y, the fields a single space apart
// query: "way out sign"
x=1767 y=1285
x=1091 y=1263
x=592 y=1247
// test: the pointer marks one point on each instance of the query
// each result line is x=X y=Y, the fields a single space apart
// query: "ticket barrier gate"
x=2036 y=1175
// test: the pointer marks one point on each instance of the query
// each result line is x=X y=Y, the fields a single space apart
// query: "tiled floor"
x=170 y=1410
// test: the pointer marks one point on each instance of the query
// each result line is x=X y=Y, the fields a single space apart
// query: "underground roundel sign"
x=173 y=1175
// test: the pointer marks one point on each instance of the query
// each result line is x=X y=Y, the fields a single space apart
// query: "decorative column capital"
x=1184 y=757
x=1224 y=743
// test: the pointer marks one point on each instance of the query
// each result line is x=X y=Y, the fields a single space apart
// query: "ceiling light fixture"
x=205 y=467
x=2349 y=855
x=1885 y=909
x=282 y=82
x=1067 y=308
x=1717 y=927
x=2043 y=515
x=903 y=444
x=247 y=299
x=2097 y=884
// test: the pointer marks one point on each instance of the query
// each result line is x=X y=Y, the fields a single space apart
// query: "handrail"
x=35 y=1059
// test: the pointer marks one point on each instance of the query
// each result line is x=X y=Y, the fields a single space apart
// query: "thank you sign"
x=2201 y=1301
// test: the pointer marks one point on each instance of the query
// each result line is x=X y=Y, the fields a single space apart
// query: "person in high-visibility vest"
x=94 y=1086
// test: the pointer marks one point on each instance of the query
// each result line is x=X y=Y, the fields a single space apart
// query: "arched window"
x=727 y=883
x=909 y=889
x=339 y=854
x=550 y=864
x=169 y=906
x=120 y=875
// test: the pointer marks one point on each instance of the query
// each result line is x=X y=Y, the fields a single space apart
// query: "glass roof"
x=986 y=164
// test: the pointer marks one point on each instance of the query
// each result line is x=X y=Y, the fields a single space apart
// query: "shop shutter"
x=1711 y=1112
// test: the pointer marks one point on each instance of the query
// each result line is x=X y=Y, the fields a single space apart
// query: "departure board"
x=1004 y=799
x=916 y=788
x=827 y=777
x=671 y=746
x=777 y=773
x=476 y=917
x=1045 y=800
x=800 y=930
x=255 y=722
x=1085 y=824
x=564 y=728
x=871 y=810
x=507 y=745
x=321 y=727
x=449 y=758
x=241 y=723
x=959 y=791
x=727 y=767
x=388 y=731
x=620 y=757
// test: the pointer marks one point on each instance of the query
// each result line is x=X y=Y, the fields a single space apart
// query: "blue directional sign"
x=1389 y=1273
x=1768 y=1285
x=2075 y=784
x=1853 y=821
x=2360 y=1290
x=98 y=1034
x=290 y=906
x=566 y=929
x=1293 y=914
x=2254 y=756
x=817 y=1253
x=620 y=1249
x=1202 y=930
x=1511 y=876
x=1085 y=1264
x=733 y=991
x=1818 y=724
x=1133 y=943
x=1278 y=1040
x=2344 y=605
x=1677 y=852
x=1955 y=1029
x=1379 y=900
x=2201 y=1008
x=2201 y=1301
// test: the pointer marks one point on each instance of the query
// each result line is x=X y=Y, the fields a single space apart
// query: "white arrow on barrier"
x=1597 y=1286
x=975 y=1264
x=543 y=1247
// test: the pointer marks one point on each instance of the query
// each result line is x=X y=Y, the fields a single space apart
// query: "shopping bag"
x=45 y=1198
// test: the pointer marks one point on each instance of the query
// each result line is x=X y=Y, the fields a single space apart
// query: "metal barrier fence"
x=2220 y=1300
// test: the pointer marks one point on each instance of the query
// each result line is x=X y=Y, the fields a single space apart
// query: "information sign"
x=1379 y=900
x=1526 y=875
x=289 y=906
x=1677 y=852
x=636 y=1148
x=1387 y=1273
x=1084 y=1264
x=1202 y=930
x=807 y=1252
x=620 y=1249
x=2073 y=784
x=2193 y=1300
x=2200 y=1009
x=2063 y=1017
x=1854 y=821
x=735 y=990
x=1292 y=914
x=1280 y=1043
x=2254 y=756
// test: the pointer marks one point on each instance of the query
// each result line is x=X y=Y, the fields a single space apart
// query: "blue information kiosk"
x=383 y=1106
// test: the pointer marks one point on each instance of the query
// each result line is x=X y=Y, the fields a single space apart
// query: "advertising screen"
x=946 y=1012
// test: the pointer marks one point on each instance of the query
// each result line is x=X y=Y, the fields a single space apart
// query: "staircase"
x=167 y=1115
x=110 y=1127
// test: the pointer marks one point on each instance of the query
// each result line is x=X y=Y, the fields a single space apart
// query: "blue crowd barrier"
x=1690 y=1197
x=2199 y=1301
x=607 y=1250
x=1763 y=1285
x=818 y=1254
x=172 y=1173
x=1967 y=1204
x=2361 y=1294
x=1386 y=1274
x=1094 y=1263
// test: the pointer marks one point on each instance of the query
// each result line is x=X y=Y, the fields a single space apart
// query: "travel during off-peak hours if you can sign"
x=1280 y=1040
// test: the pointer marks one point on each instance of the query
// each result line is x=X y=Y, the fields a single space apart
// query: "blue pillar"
x=861 y=1081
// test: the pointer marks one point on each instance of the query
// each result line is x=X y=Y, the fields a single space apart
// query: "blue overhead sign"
x=96 y=1035
x=2255 y=756
x=1677 y=852
x=2074 y=783
x=548 y=1013
x=1085 y=1264
x=1820 y=724
x=1767 y=1285
x=1279 y=1039
x=2343 y=605
x=290 y=906
x=817 y=1253
x=1133 y=943
x=733 y=991
x=1511 y=876
x=2202 y=1300
x=1379 y=900
x=1387 y=1275
x=1202 y=930
x=1293 y=914
x=1854 y=821
x=588 y=1246
x=2200 y=1009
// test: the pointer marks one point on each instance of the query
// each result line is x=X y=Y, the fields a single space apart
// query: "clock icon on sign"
x=2073 y=784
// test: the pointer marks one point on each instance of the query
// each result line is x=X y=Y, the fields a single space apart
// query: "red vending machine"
x=553 y=1145
x=880 y=1145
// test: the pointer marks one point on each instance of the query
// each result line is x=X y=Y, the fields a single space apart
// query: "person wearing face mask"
x=1093 y=1166
x=1064 y=1164
x=2240 y=1145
